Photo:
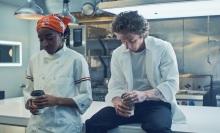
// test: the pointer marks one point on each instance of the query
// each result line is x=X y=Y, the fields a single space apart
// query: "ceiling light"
x=66 y=12
x=29 y=11
x=162 y=10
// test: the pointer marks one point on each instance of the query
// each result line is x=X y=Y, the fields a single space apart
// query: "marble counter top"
x=200 y=119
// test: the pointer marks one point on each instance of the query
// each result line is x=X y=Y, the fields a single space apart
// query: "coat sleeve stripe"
x=81 y=80
x=29 y=77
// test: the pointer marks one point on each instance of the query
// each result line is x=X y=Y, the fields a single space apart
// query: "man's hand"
x=120 y=108
x=134 y=96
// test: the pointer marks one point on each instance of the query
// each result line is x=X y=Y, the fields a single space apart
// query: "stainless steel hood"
x=159 y=9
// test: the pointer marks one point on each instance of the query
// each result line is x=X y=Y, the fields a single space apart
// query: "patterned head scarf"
x=54 y=21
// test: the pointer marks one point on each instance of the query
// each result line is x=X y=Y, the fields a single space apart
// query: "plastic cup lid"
x=37 y=93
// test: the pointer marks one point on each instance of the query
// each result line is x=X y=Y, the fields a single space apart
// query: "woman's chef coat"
x=63 y=74
x=162 y=73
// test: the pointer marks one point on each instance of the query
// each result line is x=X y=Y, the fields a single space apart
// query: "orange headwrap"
x=54 y=21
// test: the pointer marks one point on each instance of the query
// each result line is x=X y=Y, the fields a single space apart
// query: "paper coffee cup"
x=131 y=107
x=35 y=94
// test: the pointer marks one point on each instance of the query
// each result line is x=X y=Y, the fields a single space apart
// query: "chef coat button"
x=82 y=105
x=78 y=128
x=54 y=78
x=43 y=78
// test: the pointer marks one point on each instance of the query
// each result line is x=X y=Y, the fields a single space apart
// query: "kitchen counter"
x=200 y=119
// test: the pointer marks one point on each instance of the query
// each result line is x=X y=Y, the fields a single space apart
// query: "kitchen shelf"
x=107 y=39
x=193 y=76
x=189 y=97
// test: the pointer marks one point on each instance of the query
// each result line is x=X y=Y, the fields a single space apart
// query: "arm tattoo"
x=157 y=93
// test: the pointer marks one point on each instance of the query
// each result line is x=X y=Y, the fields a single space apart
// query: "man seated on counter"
x=144 y=77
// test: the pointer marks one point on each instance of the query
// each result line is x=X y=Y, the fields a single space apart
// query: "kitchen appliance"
x=82 y=34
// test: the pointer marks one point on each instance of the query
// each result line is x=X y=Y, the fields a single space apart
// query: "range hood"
x=162 y=9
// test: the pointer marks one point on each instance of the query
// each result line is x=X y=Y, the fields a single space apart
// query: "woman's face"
x=50 y=40
x=133 y=42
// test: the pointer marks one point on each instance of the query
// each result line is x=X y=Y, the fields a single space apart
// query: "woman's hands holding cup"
x=40 y=102
x=30 y=106
x=45 y=101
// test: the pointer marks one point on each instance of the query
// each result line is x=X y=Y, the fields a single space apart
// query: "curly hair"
x=130 y=22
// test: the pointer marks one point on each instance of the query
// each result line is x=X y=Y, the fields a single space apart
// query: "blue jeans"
x=154 y=117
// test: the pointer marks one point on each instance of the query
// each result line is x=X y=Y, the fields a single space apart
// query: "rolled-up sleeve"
x=169 y=72
x=116 y=85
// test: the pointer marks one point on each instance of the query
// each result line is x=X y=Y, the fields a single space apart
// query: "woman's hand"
x=29 y=106
x=45 y=101
x=120 y=108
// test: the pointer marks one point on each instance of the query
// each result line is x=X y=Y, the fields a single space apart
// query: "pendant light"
x=65 y=12
x=29 y=11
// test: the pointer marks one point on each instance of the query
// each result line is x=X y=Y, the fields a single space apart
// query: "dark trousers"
x=154 y=116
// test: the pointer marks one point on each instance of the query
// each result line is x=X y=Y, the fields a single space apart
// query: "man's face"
x=50 y=40
x=133 y=42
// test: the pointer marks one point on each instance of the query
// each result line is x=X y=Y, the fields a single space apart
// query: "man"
x=144 y=74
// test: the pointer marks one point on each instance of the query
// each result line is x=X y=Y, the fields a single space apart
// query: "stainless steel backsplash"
x=195 y=41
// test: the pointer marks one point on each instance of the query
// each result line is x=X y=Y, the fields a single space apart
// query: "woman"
x=64 y=77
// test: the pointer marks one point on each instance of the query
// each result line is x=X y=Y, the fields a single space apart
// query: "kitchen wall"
x=196 y=42
x=189 y=37
x=14 y=29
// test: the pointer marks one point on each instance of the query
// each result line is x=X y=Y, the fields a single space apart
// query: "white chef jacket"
x=63 y=74
x=161 y=70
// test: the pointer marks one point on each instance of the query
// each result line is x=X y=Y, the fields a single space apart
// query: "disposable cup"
x=131 y=107
x=34 y=95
